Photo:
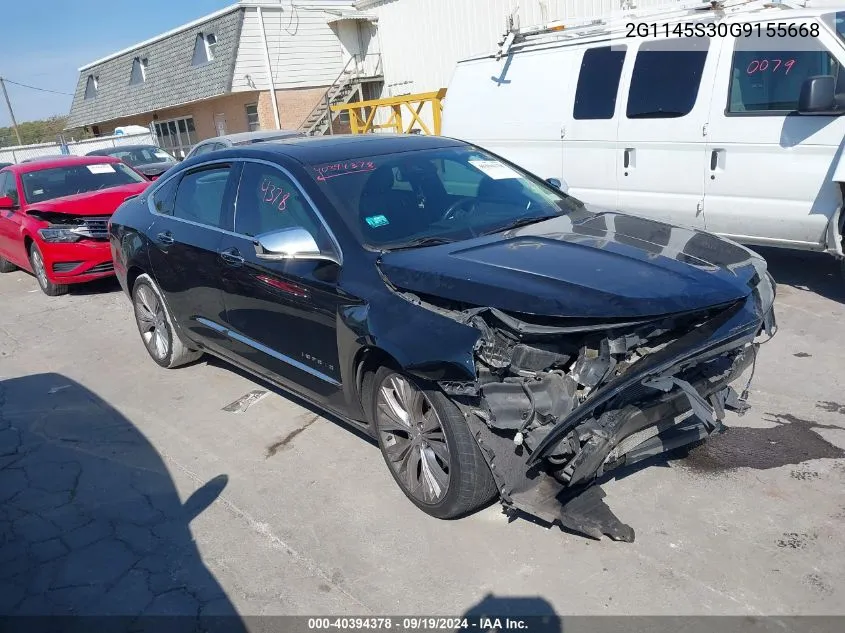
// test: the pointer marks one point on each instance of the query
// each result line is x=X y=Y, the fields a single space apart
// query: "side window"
x=767 y=72
x=164 y=197
x=199 y=196
x=666 y=78
x=9 y=187
x=598 y=83
x=268 y=200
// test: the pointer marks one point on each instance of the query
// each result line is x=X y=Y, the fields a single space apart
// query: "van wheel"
x=428 y=446
x=40 y=269
x=155 y=325
x=6 y=266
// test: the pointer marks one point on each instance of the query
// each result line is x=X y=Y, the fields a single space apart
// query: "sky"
x=46 y=41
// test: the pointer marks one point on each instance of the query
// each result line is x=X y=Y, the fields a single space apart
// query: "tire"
x=468 y=484
x=155 y=325
x=39 y=268
x=6 y=266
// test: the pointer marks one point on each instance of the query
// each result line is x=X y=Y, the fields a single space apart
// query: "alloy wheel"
x=38 y=266
x=413 y=439
x=152 y=322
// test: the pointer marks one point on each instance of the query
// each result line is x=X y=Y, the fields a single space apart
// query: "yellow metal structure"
x=362 y=114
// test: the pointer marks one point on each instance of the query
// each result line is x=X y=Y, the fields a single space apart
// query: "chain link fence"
x=21 y=153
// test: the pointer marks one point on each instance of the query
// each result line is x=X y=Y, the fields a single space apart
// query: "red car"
x=54 y=217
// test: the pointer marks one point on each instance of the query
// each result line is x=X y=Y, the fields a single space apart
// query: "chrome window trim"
x=159 y=185
x=267 y=350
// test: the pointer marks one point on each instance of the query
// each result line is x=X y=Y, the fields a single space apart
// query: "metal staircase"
x=344 y=89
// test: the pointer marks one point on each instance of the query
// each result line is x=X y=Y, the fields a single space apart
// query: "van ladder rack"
x=560 y=29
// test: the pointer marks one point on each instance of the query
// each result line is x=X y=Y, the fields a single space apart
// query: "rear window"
x=666 y=78
x=59 y=182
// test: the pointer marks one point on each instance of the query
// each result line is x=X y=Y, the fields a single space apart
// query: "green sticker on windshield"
x=376 y=220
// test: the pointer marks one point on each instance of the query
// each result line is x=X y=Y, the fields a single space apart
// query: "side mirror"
x=558 y=184
x=818 y=95
x=293 y=243
x=7 y=203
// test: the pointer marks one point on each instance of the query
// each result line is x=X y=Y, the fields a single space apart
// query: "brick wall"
x=231 y=106
x=294 y=105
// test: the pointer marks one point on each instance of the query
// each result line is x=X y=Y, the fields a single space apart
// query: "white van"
x=739 y=134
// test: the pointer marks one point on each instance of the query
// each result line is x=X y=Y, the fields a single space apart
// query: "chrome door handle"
x=232 y=257
x=165 y=237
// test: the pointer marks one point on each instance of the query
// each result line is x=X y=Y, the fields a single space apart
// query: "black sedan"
x=497 y=336
x=150 y=160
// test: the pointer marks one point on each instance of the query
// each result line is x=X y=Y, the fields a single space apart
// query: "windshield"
x=429 y=196
x=58 y=182
x=142 y=155
x=836 y=21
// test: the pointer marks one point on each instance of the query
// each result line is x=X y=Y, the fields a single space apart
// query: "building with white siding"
x=421 y=41
x=252 y=65
x=278 y=64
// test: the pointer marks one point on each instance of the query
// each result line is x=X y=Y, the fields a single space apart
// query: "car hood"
x=595 y=265
x=101 y=202
x=152 y=169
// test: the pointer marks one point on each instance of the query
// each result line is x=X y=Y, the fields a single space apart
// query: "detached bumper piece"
x=555 y=412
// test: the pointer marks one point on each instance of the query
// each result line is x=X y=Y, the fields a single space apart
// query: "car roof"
x=106 y=151
x=246 y=137
x=63 y=161
x=321 y=149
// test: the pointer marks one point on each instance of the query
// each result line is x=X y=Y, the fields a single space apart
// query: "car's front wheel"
x=40 y=269
x=428 y=447
x=156 y=327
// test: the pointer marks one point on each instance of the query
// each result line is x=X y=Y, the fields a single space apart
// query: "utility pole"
x=11 y=113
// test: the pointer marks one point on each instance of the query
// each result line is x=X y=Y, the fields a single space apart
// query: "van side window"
x=666 y=78
x=767 y=72
x=598 y=82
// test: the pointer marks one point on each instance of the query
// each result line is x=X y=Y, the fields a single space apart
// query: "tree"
x=42 y=131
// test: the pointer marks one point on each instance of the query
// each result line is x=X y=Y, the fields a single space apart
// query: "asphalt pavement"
x=126 y=488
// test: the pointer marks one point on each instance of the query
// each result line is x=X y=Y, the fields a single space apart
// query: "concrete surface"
x=126 y=488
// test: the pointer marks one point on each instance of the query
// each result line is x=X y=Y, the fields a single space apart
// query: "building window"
x=177 y=136
x=252 y=123
x=91 y=87
x=665 y=80
x=139 y=71
x=598 y=83
x=204 y=48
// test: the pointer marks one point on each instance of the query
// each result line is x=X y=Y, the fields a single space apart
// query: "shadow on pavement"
x=816 y=272
x=500 y=613
x=91 y=522
x=98 y=287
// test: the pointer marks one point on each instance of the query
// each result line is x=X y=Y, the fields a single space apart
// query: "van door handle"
x=165 y=237
x=627 y=159
x=232 y=257
x=714 y=162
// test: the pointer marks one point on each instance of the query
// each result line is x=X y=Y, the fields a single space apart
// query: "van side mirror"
x=818 y=95
x=7 y=203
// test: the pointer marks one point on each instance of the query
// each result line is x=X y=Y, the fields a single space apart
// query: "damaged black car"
x=498 y=337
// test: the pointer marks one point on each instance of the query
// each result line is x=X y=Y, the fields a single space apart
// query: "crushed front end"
x=558 y=403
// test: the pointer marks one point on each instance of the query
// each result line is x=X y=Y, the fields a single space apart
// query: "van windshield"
x=836 y=21
x=426 y=197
